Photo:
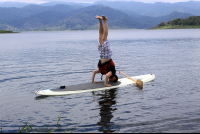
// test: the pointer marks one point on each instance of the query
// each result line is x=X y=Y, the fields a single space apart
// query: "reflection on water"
x=41 y=97
x=106 y=102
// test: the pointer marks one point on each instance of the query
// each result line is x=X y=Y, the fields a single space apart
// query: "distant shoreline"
x=72 y=30
x=175 y=27
x=153 y=28
x=4 y=31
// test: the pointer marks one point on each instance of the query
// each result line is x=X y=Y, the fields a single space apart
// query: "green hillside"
x=190 y=22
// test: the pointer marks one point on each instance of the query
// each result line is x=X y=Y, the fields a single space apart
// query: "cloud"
x=92 y=1
x=145 y=1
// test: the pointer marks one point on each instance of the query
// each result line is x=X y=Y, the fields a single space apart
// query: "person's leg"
x=100 y=29
x=105 y=28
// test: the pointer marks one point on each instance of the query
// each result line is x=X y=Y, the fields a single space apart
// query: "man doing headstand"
x=106 y=65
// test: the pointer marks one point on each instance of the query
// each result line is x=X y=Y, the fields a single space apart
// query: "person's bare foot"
x=98 y=17
x=104 y=17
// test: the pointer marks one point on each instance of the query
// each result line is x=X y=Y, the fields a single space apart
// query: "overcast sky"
x=92 y=1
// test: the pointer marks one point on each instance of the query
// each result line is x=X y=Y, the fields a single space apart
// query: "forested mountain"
x=146 y=9
x=79 y=17
x=155 y=9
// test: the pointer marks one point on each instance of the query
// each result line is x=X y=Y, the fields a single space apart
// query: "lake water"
x=32 y=61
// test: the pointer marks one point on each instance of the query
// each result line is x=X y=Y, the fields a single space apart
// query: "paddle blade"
x=140 y=83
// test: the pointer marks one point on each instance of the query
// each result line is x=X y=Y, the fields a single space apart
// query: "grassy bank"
x=26 y=128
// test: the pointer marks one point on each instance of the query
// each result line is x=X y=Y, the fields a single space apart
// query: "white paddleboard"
x=86 y=87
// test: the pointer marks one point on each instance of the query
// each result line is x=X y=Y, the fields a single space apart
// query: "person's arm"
x=93 y=75
x=106 y=79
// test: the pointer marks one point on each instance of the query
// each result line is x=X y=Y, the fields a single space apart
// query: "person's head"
x=113 y=79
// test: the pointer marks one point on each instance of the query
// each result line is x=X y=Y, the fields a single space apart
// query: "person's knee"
x=104 y=38
x=101 y=40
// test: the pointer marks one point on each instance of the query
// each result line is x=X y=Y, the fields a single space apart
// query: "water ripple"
x=170 y=103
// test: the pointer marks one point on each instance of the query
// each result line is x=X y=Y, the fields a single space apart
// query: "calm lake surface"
x=32 y=61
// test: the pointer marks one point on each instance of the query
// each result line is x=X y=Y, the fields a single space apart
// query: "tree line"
x=190 y=21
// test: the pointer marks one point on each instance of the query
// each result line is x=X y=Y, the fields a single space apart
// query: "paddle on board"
x=139 y=82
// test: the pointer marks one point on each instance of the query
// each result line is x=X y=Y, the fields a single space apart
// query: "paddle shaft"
x=127 y=76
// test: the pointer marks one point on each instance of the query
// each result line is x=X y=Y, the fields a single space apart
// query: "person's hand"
x=107 y=85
